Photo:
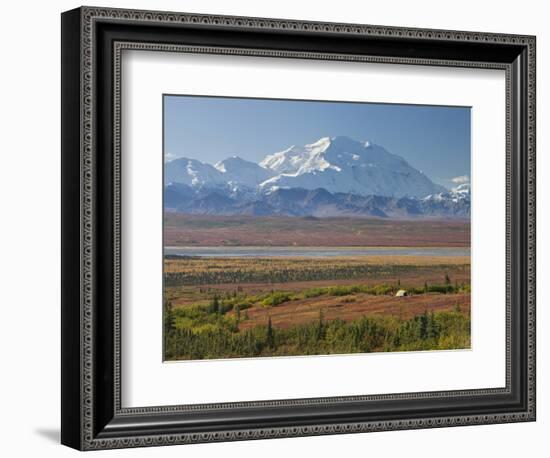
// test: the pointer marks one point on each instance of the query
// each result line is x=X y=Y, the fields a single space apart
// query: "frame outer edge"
x=71 y=305
x=531 y=224
x=88 y=16
x=88 y=193
x=260 y=23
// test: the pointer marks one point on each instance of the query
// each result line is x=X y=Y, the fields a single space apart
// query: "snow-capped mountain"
x=233 y=173
x=332 y=176
x=459 y=194
x=192 y=173
x=243 y=173
x=287 y=161
x=337 y=164
x=340 y=164
x=462 y=191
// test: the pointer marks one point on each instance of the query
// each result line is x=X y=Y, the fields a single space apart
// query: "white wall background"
x=30 y=240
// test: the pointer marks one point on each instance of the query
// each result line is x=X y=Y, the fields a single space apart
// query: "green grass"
x=208 y=331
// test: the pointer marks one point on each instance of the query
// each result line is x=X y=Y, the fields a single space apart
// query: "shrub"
x=276 y=298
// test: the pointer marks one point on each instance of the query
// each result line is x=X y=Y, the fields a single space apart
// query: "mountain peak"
x=240 y=172
x=323 y=141
x=232 y=161
x=339 y=141
x=343 y=164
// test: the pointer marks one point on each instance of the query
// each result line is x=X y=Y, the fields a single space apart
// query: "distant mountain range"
x=332 y=177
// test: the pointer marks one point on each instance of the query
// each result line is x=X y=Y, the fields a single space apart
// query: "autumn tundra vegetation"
x=278 y=306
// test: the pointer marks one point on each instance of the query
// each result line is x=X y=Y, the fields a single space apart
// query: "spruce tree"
x=270 y=338
x=447 y=283
x=238 y=312
x=320 y=326
x=169 y=318
x=432 y=328
x=423 y=325
x=214 y=305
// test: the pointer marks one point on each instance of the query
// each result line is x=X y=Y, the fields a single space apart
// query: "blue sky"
x=433 y=139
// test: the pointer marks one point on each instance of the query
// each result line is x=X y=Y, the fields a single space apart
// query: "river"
x=312 y=252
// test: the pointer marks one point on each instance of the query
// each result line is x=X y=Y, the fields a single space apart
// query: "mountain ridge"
x=337 y=164
x=318 y=203
x=332 y=176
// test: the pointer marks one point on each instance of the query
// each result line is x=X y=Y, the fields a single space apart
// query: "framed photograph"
x=276 y=228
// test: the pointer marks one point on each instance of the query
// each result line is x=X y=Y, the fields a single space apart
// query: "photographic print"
x=296 y=227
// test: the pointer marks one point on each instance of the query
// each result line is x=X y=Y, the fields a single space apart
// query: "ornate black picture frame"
x=92 y=42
